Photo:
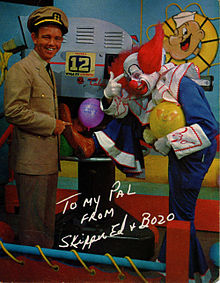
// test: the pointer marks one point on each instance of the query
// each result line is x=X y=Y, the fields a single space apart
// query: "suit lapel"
x=41 y=69
x=45 y=76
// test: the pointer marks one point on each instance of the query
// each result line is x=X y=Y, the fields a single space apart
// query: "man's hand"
x=60 y=126
x=113 y=88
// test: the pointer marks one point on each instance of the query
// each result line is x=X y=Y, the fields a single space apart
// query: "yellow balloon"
x=165 y=118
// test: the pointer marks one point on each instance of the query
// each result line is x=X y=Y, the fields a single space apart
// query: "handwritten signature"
x=114 y=230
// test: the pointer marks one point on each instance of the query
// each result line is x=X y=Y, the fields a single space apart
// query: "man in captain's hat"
x=30 y=102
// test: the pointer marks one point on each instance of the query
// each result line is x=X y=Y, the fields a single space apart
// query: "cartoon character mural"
x=10 y=47
x=190 y=37
x=186 y=38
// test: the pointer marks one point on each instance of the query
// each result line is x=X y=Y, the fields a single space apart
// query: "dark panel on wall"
x=31 y=2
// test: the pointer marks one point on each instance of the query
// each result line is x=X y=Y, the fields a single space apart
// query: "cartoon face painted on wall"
x=186 y=38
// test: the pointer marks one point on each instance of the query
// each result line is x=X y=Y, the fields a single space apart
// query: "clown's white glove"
x=150 y=80
x=162 y=145
x=113 y=88
x=148 y=136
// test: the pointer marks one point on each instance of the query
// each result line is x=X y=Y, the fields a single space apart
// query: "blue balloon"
x=214 y=254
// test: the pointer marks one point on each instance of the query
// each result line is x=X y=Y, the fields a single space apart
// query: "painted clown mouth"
x=138 y=88
x=141 y=86
x=185 y=44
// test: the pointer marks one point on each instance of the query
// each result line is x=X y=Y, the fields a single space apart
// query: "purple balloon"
x=90 y=113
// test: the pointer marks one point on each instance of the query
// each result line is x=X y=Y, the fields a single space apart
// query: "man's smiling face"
x=47 y=41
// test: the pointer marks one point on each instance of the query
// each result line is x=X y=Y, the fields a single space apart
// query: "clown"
x=133 y=75
x=139 y=81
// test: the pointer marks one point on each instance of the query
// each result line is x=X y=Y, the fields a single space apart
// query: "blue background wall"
x=124 y=13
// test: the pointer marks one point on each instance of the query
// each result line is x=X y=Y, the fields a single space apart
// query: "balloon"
x=90 y=113
x=165 y=118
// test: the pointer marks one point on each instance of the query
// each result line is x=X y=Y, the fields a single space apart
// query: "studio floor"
x=206 y=238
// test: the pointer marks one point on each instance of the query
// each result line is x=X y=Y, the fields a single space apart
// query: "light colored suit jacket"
x=30 y=102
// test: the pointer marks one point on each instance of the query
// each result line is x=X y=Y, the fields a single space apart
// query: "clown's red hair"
x=150 y=53
x=149 y=57
x=117 y=65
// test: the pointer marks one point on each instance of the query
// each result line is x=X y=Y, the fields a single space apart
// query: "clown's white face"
x=133 y=74
x=135 y=71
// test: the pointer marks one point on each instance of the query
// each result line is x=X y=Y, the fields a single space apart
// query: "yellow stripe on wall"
x=156 y=171
x=69 y=169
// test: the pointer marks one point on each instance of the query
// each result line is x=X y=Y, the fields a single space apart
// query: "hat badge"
x=57 y=17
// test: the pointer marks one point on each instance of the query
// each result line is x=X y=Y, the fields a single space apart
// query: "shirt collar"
x=41 y=60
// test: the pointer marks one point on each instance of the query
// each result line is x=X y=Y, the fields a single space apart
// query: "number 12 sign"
x=80 y=64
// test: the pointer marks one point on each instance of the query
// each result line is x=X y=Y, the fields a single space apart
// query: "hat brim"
x=52 y=21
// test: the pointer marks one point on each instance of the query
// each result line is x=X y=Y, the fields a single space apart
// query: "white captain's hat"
x=183 y=18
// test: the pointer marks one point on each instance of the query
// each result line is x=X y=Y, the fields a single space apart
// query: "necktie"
x=49 y=71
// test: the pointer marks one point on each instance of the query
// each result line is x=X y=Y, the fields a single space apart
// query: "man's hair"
x=36 y=29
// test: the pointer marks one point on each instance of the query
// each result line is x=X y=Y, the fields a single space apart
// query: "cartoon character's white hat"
x=183 y=18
